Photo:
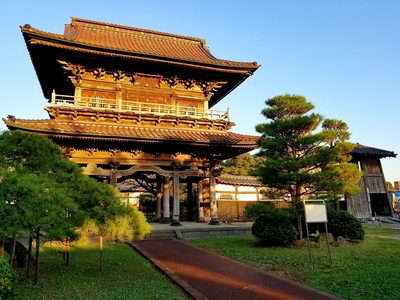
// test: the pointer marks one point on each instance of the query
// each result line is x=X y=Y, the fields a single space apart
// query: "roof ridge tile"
x=86 y=22
x=132 y=40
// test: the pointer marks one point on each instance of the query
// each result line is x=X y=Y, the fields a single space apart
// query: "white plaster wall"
x=247 y=197
x=246 y=189
x=250 y=193
x=224 y=188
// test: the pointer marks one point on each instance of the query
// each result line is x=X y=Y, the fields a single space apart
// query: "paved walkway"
x=206 y=275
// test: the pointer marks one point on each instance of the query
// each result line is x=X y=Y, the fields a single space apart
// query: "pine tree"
x=301 y=161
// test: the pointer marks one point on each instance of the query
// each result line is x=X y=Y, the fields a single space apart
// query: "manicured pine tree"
x=300 y=160
x=34 y=191
x=44 y=194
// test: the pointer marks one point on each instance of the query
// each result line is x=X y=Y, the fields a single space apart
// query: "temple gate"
x=127 y=102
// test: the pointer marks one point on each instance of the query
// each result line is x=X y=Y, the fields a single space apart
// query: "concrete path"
x=206 y=275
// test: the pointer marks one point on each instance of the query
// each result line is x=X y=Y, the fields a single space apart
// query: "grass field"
x=367 y=270
x=125 y=275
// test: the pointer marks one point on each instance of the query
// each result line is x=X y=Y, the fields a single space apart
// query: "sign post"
x=315 y=212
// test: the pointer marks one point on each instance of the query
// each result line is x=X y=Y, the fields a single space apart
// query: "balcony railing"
x=119 y=105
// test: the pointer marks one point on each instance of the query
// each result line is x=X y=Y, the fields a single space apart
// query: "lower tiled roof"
x=136 y=133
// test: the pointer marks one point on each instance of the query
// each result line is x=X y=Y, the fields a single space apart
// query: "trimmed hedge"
x=258 y=209
x=344 y=224
x=274 y=228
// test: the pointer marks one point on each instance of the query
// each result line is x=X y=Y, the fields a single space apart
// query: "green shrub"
x=8 y=280
x=148 y=200
x=265 y=208
x=275 y=228
x=344 y=224
x=258 y=209
x=141 y=227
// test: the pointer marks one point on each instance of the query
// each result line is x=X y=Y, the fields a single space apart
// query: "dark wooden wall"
x=358 y=205
x=373 y=197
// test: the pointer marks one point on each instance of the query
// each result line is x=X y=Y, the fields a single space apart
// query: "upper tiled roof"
x=239 y=180
x=371 y=151
x=132 y=41
x=136 y=133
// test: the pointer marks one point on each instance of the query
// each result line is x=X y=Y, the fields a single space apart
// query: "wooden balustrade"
x=119 y=105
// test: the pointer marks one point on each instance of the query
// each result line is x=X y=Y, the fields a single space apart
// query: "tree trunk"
x=298 y=205
x=337 y=207
x=101 y=253
x=67 y=259
x=67 y=248
x=28 y=262
x=12 y=249
x=299 y=227
x=37 y=257
x=1 y=248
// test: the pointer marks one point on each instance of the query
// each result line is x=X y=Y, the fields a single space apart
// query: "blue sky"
x=343 y=56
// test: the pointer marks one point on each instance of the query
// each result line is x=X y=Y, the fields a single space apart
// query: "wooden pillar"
x=113 y=177
x=114 y=164
x=77 y=94
x=165 y=215
x=53 y=98
x=190 y=201
x=200 y=200
x=175 y=209
x=213 y=197
x=119 y=97
x=159 y=198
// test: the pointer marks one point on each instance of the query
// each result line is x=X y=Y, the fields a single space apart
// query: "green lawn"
x=125 y=275
x=367 y=270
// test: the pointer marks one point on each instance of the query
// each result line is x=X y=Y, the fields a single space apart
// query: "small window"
x=225 y=197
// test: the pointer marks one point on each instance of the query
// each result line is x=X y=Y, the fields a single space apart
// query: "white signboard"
x=315 y=211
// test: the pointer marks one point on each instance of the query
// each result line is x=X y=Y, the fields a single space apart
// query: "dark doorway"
x=380 y=205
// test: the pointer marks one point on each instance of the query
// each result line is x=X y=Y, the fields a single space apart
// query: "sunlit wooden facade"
x=373 y=198
x=235 y=192
x=127 y=102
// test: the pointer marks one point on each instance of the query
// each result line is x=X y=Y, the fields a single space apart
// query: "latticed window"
x=98 y=101
x=189 y=110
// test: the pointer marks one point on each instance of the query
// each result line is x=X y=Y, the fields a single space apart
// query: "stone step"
x=162 y=234
x=182 y=233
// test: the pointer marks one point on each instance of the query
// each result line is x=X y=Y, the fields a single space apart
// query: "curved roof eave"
x=363 y=150
x=32 y=36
